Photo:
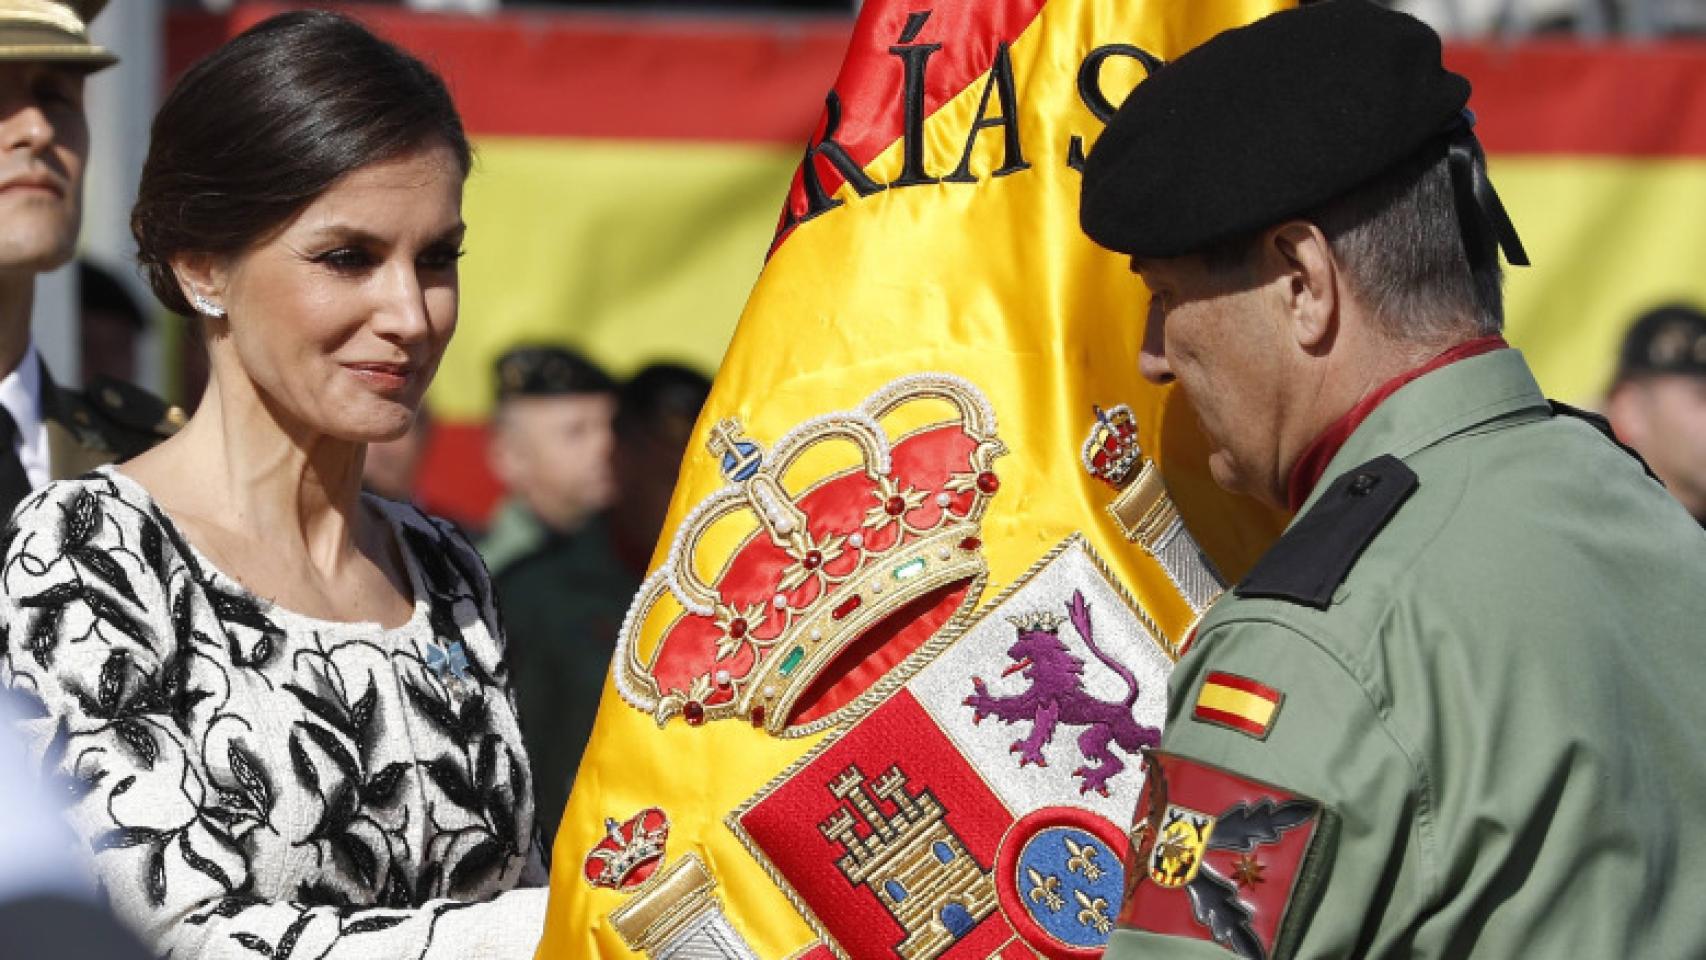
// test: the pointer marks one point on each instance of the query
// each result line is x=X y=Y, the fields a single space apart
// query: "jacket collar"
x=1449 y=401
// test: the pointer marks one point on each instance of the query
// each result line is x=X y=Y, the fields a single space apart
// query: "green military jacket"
x=1459 y=710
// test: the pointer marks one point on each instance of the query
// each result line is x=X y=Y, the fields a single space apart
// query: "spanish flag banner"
x=936 y=547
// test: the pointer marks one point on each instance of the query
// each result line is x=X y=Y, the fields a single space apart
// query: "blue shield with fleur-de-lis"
x=1061 y=880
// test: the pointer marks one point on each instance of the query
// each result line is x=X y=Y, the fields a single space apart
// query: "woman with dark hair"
x=281 y=703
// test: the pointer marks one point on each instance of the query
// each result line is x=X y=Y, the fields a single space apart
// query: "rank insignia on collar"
x=1221 y=857
x=840 y=552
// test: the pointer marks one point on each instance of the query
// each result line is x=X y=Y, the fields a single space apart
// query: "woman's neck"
x=255 y=475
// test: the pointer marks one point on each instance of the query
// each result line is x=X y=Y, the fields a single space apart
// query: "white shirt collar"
x=20 y=394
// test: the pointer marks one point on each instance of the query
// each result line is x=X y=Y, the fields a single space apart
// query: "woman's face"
x=339 y=321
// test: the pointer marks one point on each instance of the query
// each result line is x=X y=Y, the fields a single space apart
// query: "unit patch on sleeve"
x=1238 y=703
x=1221 y=857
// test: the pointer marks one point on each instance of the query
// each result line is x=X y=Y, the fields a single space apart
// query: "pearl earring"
x=205 y=306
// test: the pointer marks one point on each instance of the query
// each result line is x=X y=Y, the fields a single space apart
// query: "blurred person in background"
x=550 y=448
x=48 y=907
x=287 y=698
x=1657 y=402
x=392 y=468
x=109 y=324
x=563 y=604
x=47 y=432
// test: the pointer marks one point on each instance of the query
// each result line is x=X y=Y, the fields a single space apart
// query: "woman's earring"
x=206 y=307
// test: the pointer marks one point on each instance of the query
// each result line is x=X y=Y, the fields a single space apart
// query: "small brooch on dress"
x=449 y=663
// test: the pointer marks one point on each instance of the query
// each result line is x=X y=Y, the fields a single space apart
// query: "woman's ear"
x=203 y=279
x=1304 y=259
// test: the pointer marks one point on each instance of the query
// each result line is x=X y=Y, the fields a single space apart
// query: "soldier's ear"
x=1310 y=279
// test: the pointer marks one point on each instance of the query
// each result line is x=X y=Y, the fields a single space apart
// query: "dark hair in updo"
x=254 y=133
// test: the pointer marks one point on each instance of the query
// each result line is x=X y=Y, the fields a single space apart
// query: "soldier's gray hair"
x=1403 y=252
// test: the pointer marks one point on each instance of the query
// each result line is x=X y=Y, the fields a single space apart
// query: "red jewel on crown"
x=859 y=546
x=1111 y=452
x=630 y=851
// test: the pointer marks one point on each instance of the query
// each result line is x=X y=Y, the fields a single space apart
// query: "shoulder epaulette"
x=1307 y=565
x=1598 y=422
x=130 y=406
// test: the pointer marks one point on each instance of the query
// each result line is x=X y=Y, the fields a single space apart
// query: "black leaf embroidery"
x=252 y=777
x=503 y=821
x=355 y=856
x=287 y=943
x=382 y=789
x=319 y=893
x=253 y=943
x=111 y=613
x=517 y=777
x=103 y=566
x=486 y=770
x=178 y=545
x=435 y=710
x=473 y=719
x=449 y=777
x=324 y=709
x=43 y=638
x=140 y=740
x=154 y=549
x=111 y=689
x=81 y=520
x=476 y=866
x=201 y=863
x=397 y=893
x=328 y=741
x=340 y=809
x=372 y=925
x=122 y=837
x=57 y=595
x=304 y=768
x=157 y=875
x=244 y=611
x=258 y=656
x=362 y=715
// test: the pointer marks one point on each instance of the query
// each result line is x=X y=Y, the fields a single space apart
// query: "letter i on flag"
x=927 y=566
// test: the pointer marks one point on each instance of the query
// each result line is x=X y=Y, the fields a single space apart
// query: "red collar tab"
x=1309 y=468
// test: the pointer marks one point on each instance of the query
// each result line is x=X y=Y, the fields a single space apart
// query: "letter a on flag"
x=935 y=546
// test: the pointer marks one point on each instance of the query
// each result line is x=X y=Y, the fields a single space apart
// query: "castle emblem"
x=911 y=860
x=1057 y=696
x=846 y=575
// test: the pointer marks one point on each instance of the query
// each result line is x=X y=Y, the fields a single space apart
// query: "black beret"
x=1669 y=339
x=1265 y=122
x=543 y=371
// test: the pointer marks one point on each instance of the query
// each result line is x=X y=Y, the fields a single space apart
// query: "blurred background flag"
x=927 y=457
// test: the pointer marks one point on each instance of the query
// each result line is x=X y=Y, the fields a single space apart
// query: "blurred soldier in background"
x=109 y=323
x=46 y=432
x=392 y=468
x=551 y=440
x=564 y=603
x=1658 y=400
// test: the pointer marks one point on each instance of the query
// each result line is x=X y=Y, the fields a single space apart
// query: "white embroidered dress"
x=257 y=783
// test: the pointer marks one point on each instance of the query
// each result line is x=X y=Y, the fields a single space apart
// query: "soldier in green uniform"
x=1457 y=710
x=563 y=604
x=550 y=447
x=48 y=432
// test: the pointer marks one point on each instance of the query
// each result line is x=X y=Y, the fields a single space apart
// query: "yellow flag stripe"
x=1239 y=703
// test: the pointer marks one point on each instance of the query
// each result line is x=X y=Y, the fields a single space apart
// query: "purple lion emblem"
x=1057 y=695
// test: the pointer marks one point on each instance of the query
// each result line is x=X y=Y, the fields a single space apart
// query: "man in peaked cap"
x=47 y=432
x=550 y=447
x=1657 y=402
x=1455 y=711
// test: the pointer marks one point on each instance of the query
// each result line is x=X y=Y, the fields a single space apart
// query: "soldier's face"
x=1664 y=418
x=1218 y=334
x=44 y=141
x=339 y=321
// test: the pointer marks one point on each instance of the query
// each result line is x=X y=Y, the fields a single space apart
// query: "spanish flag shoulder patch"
x=1238 y=703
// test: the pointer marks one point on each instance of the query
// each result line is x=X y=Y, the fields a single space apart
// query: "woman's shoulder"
x=434 y=541
x=79 y=508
